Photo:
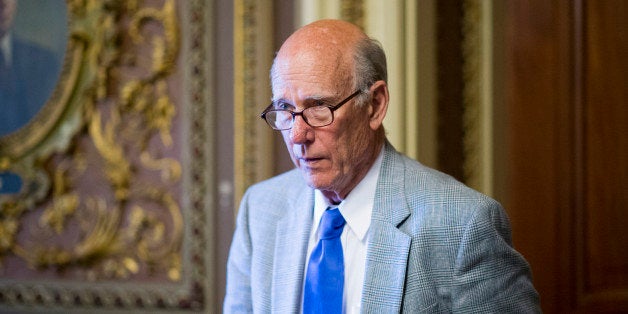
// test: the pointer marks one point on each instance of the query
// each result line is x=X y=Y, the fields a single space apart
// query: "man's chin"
x=316 y=182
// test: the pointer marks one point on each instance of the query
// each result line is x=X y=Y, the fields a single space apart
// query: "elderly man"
x=358 y=227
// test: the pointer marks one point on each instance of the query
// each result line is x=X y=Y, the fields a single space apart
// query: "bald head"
x=333 y=45
x=325 y=35
x=325 y=45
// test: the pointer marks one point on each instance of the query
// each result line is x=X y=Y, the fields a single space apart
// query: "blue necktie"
x=324 y=280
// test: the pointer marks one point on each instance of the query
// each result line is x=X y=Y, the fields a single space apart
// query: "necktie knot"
x=332 y=224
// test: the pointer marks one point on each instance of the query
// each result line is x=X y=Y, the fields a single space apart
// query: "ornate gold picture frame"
x=115 y=207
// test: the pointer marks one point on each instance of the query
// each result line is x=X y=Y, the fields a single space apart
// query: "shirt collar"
x=357 y=207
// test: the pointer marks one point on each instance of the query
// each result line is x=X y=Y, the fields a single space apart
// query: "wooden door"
x=562 y=147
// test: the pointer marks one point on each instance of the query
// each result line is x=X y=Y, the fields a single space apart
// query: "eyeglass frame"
x=300 y=113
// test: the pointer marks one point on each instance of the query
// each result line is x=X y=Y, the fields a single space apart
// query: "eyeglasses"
x=316 y=116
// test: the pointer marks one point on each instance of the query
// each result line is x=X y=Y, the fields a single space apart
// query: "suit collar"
x=389 y=247
x=293 y=231
x=387 y=252
x=390 y=198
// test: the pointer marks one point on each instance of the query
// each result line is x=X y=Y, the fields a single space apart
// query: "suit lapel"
x=293 y=231
x=388 y=247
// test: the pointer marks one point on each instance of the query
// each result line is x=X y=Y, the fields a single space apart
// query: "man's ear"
x=379 y=104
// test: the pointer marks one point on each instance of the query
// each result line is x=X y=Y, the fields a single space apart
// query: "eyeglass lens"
x=314 y=116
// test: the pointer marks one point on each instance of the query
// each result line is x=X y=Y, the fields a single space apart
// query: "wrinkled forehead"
x=311 y=72
x=323 y=64
x=317 y=57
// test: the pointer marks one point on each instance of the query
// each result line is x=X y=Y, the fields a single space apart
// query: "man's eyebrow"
x=318 y=100
x=309 y=101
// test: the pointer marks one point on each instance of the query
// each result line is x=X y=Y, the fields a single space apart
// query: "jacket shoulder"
x=431 y=185
x=431 y=195
x=281 y=184
x=276 y=193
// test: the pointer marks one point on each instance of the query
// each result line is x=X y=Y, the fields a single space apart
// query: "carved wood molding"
x=477 y=115
x=253 y=40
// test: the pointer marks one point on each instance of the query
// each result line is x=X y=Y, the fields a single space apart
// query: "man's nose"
x=301 y=131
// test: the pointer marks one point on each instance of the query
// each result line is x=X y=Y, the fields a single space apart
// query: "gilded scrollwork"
x=143 y=111
x=64 y=203
x=101 y=196
x=100 y=238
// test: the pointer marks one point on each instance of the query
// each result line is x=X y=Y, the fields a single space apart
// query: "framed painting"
x=107 y=201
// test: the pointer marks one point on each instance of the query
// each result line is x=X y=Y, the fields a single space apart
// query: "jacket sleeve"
x=238 y=297
x=490 y=276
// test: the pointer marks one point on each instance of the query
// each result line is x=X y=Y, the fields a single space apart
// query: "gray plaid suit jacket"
x=435 y=246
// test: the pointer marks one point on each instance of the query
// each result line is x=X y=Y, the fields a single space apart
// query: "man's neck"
x=335 y=197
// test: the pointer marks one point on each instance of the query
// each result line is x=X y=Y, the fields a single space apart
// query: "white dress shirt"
x=356 y=210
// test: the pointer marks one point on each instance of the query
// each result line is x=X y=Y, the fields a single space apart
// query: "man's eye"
x=318 y=103
x=283 y=106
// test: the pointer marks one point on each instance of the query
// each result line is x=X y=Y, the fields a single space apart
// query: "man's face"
x=7 y=13
x=332 y=158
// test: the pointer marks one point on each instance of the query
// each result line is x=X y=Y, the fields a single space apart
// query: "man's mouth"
x=310 y=160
